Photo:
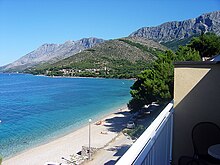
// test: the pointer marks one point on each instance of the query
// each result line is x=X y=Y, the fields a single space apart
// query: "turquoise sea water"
x=36 y=109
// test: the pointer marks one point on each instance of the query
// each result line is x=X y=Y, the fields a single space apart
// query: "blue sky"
x=27 y=24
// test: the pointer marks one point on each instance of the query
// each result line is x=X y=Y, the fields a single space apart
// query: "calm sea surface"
x=36 y=109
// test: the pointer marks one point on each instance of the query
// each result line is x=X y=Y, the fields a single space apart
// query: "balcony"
x=154 y=146
x=196 y=99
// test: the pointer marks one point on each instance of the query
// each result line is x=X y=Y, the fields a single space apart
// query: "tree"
x=185 y=53
x=156 y=83
x=207 y=44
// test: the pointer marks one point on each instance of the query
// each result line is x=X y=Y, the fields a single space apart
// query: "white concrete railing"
x=154 y=146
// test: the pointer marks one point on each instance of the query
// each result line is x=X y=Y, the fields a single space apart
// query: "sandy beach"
x=103 y=132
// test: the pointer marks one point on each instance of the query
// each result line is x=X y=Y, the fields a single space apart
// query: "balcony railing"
x=154 y=146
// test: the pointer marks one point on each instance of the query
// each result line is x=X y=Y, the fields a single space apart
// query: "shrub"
x=136 y=132
x=0 y=160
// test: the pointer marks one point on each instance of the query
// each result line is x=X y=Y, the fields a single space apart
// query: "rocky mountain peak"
x=90 y=42
x=69 y=43
x=47 y=48
x=209 y=22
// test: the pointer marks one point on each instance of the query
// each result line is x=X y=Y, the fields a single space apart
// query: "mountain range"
x=51 y=53
x=177 y=30
x=171 y=34
x=118 y=58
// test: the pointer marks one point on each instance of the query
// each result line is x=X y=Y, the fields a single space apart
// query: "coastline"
x=42 y=75
x=134 y=79
x=111 y=124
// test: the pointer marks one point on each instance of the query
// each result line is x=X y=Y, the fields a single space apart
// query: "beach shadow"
x=148 y=119
x=118 y=123
x=111 y=162
x=120 y=151
x=122 y=113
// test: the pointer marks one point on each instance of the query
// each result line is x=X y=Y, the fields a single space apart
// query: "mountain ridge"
x=50 y=53
x=208 y=22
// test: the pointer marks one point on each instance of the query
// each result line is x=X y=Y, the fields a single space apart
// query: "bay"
x=37 y=109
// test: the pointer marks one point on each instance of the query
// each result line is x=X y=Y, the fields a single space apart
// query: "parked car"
x=130 y=125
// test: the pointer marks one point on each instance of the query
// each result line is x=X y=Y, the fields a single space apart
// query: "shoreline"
x=41 y=75
x=134 y=79
x=60 y=147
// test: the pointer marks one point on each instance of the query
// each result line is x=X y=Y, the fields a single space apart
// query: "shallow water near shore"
x=37 y=109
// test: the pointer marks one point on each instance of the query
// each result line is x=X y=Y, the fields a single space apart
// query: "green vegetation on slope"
x=174 y=45
x=122 y=58
x=144 y=48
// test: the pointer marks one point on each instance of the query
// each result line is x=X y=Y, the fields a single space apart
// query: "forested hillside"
x=119 y=58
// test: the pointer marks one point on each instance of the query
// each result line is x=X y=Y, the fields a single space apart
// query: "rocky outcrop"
x=50 y=53
x=169 y=31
